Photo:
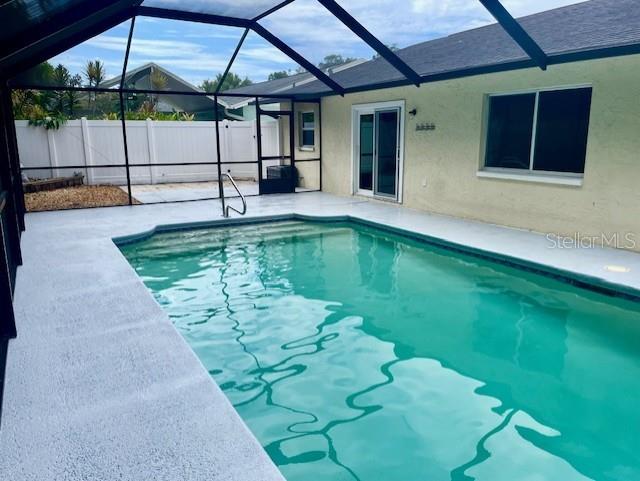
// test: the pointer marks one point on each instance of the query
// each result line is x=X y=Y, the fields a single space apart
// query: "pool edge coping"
x=577 y=279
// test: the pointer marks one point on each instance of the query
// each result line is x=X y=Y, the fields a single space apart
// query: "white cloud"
x=264 y=54
x=306 y=24
x=526 y=7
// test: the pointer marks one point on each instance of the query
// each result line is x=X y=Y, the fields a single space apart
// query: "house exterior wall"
x=441 y=166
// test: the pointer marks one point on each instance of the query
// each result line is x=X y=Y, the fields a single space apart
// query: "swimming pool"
x=353 y=353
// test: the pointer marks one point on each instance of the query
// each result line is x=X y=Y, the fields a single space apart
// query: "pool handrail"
x=244 y=200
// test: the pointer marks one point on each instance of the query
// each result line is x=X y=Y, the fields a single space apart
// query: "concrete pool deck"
x=187 y=191
x=190 y=191
x=99 y=385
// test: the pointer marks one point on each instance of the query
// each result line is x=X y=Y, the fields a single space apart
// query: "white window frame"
x=307 y=148
x=530 y=174
x=361 y=109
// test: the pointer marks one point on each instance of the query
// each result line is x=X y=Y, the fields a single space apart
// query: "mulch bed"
x=77 y=198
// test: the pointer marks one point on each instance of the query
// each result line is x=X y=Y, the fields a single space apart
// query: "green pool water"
x=355 y=354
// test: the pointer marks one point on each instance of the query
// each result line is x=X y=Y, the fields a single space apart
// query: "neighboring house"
x=234 y=108
x=245 y=106
x=488 y=136
x=203 y=107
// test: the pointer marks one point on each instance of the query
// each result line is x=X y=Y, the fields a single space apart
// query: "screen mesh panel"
x=19 y=15
x=229 y=8
x=316 y=34
x=185 y=57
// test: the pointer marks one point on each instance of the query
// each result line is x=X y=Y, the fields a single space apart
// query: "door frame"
x=370 y=108
x=276 y=186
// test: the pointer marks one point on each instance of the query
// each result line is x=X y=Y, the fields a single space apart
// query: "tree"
x=232 y=81
x=27 y=104
x=159 y=81
x=72 y=96
x=208 y=86
x=36 y=105
x=41 y=74
x=393 y=47
x=61 y=78
x=278 y=75
x=95 y=73
x=33 y=103
x=334 y=60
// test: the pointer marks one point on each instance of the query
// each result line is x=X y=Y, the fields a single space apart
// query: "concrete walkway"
x=148 y=194
x=100 y=386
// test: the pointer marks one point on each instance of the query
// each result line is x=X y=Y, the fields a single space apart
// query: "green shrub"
x=50 y=121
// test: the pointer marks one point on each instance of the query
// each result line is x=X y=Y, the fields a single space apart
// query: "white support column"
x=86 y=145
x=279 y=134
x=53 y=155
x=228 y=147
x=151 y=144
x=254 y=144
x=226 y=144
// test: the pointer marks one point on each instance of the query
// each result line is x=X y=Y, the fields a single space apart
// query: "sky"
x=197 y=52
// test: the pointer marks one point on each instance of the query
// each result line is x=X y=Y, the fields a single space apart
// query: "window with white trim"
x=543 y=131
x=307 y=130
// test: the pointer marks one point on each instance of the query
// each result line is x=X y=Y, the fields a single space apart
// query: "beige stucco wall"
x=449 y=158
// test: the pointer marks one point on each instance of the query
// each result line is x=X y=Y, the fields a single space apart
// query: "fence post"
x=86 y=145
x=53 y=155
x=254 y=144
x=278 y=136
x=153 y=158
x=227 y=143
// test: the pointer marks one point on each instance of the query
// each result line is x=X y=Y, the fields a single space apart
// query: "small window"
x=539 y=132
x=307 y=130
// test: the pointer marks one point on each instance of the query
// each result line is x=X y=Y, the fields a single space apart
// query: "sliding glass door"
x=386 y=156
x=367 y=139
x=378 y=151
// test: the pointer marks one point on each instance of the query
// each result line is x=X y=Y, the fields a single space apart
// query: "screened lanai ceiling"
x=305 y=31
x=246 y=9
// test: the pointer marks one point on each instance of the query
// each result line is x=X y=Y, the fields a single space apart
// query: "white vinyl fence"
x=98 y=142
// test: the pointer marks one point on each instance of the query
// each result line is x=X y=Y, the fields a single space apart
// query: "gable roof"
x=587 y=30
x=140 y=77
x=279 y=86
x=144 y=71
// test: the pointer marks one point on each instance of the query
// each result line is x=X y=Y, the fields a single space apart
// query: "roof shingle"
x=592 y=26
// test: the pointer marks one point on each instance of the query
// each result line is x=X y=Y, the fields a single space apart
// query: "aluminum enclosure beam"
x=516 y=32
x=272 y=10
x=243 y=23
x=296 y=57
x=170 y=14
x=230 y=64
x=371 y=40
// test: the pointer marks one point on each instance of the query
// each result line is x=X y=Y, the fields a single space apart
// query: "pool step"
x=218 y=238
